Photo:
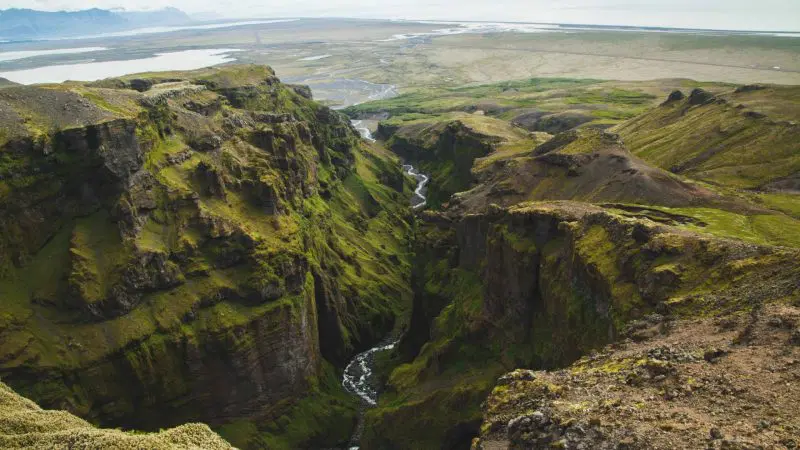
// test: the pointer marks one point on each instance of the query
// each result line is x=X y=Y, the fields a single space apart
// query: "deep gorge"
x=215 y=246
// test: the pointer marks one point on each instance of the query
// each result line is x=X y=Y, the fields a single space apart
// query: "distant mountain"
x=24 y=24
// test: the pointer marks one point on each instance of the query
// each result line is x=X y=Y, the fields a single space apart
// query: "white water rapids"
x=363 y=130
x=358 y=374
x=419 y=200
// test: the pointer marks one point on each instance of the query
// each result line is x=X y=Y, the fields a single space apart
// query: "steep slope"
x=25 y=425
x=586 y=165
x=446 y=147
x=746 y=138
x=540 y=284
x=203 y=246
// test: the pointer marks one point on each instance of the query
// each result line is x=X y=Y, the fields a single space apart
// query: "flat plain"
x=350 y=61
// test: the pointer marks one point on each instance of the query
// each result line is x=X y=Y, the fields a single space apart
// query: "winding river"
x=418 y=201
x=359 y=376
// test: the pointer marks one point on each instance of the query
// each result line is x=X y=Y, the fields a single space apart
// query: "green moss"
x=779 y=229
x=599 y=250
x=35 y=428
x=612 y=96
x=163 y=149
x=335 y=210
x=239 y=433
x=96 y=255
x=118 y=105
x=326 y=416
x=718 y=142
x=448 y=418
x=787 y=203
x=765 y=229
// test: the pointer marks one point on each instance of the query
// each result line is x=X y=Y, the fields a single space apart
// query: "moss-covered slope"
x=23 y=424
x=203 y=246
x=743 y=138
x=540 y=284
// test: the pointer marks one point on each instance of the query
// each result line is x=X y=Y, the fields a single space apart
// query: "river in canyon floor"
x=359 y=375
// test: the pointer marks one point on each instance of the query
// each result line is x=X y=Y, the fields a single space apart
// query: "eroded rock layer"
x=200 y=246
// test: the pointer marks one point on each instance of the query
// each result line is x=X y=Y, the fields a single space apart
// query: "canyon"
x=548 y=263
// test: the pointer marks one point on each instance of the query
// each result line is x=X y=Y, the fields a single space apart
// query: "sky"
x=767 y=15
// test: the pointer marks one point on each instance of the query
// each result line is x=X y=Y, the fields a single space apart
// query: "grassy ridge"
x=740 y=140
x=601 y=102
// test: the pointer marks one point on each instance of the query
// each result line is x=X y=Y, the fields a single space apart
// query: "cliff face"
x=445 y=150
x=541 y=284
x=194 y=247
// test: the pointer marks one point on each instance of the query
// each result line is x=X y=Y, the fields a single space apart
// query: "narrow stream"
x=419 y=200
x=359 y=376
x=363 y=130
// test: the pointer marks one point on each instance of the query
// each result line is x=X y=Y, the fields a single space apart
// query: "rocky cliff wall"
x=184 y=259
x=539 y=285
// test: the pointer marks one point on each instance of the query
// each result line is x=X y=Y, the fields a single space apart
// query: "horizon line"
x=413 y=20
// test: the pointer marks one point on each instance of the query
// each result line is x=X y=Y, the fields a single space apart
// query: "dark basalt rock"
x=211 y=180
x=674 y=96
x=559 y=141
x=301 y=90
x=750 y=88
x=141 y=85
x=149 y=225
x=701 y=97
x=754 y=115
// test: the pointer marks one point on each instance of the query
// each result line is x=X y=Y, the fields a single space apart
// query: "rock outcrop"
x=445 y=150
x=551 y=123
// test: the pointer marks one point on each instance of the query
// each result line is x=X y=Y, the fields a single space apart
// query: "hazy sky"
x=720 y=14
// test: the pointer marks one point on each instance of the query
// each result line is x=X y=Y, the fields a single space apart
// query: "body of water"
x=418 y=201
x=91 y=71
x=359 y=377
x=363 y=130
x=23 y=54
x=314 y=58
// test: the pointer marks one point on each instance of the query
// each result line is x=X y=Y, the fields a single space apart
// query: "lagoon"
x=91 y=71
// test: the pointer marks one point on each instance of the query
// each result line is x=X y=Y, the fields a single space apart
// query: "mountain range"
x=28 y=24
